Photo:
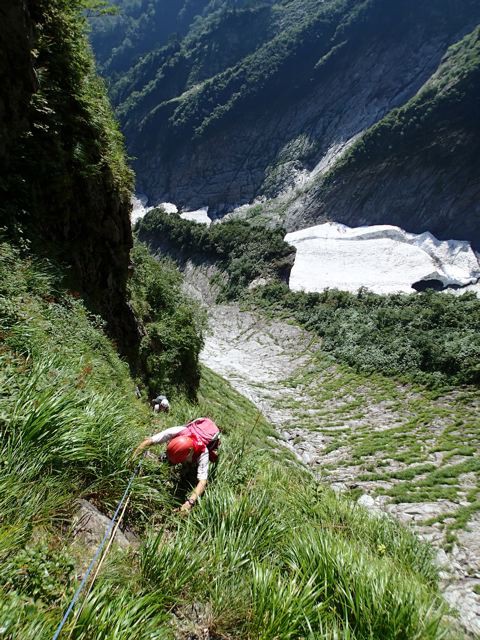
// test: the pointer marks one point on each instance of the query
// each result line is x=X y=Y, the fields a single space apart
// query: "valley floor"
x=397 y=449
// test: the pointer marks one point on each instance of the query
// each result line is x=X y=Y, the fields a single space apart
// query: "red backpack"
x=205 y=435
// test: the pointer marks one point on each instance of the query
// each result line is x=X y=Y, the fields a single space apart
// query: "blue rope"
x=95 y=557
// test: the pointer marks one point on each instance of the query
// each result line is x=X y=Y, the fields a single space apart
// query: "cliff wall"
x=65 y=185
x=419 y=166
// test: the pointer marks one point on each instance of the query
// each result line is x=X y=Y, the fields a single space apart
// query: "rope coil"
x=97 y=553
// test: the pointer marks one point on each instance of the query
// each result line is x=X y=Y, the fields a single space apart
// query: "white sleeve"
x=167 y=435
x=202 y=471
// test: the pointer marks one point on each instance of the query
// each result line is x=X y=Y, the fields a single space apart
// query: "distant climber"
x=195 y=443
x=160 y=403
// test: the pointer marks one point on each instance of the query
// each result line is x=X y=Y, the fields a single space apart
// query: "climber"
x=160 y=403
x=195 y=443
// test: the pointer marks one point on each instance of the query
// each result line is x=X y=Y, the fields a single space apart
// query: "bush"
x=432 y=337
x=173 y=325
x=242 y=250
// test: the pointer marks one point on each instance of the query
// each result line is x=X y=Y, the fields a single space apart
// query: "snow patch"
x=199 y=215
x=139 y=207
x=168 y=207
x=382 y=258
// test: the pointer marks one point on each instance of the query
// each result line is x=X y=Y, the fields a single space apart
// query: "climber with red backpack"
x=196 y=443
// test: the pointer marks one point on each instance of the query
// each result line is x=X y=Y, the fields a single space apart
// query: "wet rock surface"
x=279 y=367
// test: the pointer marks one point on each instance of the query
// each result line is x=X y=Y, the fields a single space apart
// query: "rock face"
x=64 y=182
x=90 y=525
x=17 y=77
x=418 y=167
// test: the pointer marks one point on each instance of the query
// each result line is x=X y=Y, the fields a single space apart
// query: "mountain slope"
x=267 y=552
x=419 y=166
x=294 y=558
x=255 y=97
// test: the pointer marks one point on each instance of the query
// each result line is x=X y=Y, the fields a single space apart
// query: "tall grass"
x=275 y=558
x=266 y=554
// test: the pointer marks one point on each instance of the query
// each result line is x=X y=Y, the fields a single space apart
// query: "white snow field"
x=200 y=216
x=139 y=208
x=382 y=258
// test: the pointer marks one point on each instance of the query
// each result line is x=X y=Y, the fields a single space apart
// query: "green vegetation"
x=227 y=73
x=268 y=553
x=255 y=91
x=430 y=337
x=243 y=251
x=207 y=79
x=173 y=325
x=407 y=443
x=137 y=27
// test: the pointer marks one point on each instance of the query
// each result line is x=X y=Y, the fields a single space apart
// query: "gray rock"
x=258 y=282
x=191 y=622
x=366 y=501
x=463 y=598
x=89 y=526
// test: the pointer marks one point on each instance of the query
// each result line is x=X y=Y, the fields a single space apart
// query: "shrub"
x=242 y=250
x=173 y=325
x=432 y=337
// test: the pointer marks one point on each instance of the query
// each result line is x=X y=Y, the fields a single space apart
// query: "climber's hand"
x=141 y=447
x=186 y=508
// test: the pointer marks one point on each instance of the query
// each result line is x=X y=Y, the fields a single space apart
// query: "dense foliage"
x=139 y=27
x=212 y=73
x=294 y=559
x=432 y=337
x=173 y=325
x=243 y=251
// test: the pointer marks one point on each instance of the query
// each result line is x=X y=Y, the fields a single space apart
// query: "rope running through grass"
x=98 y=552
